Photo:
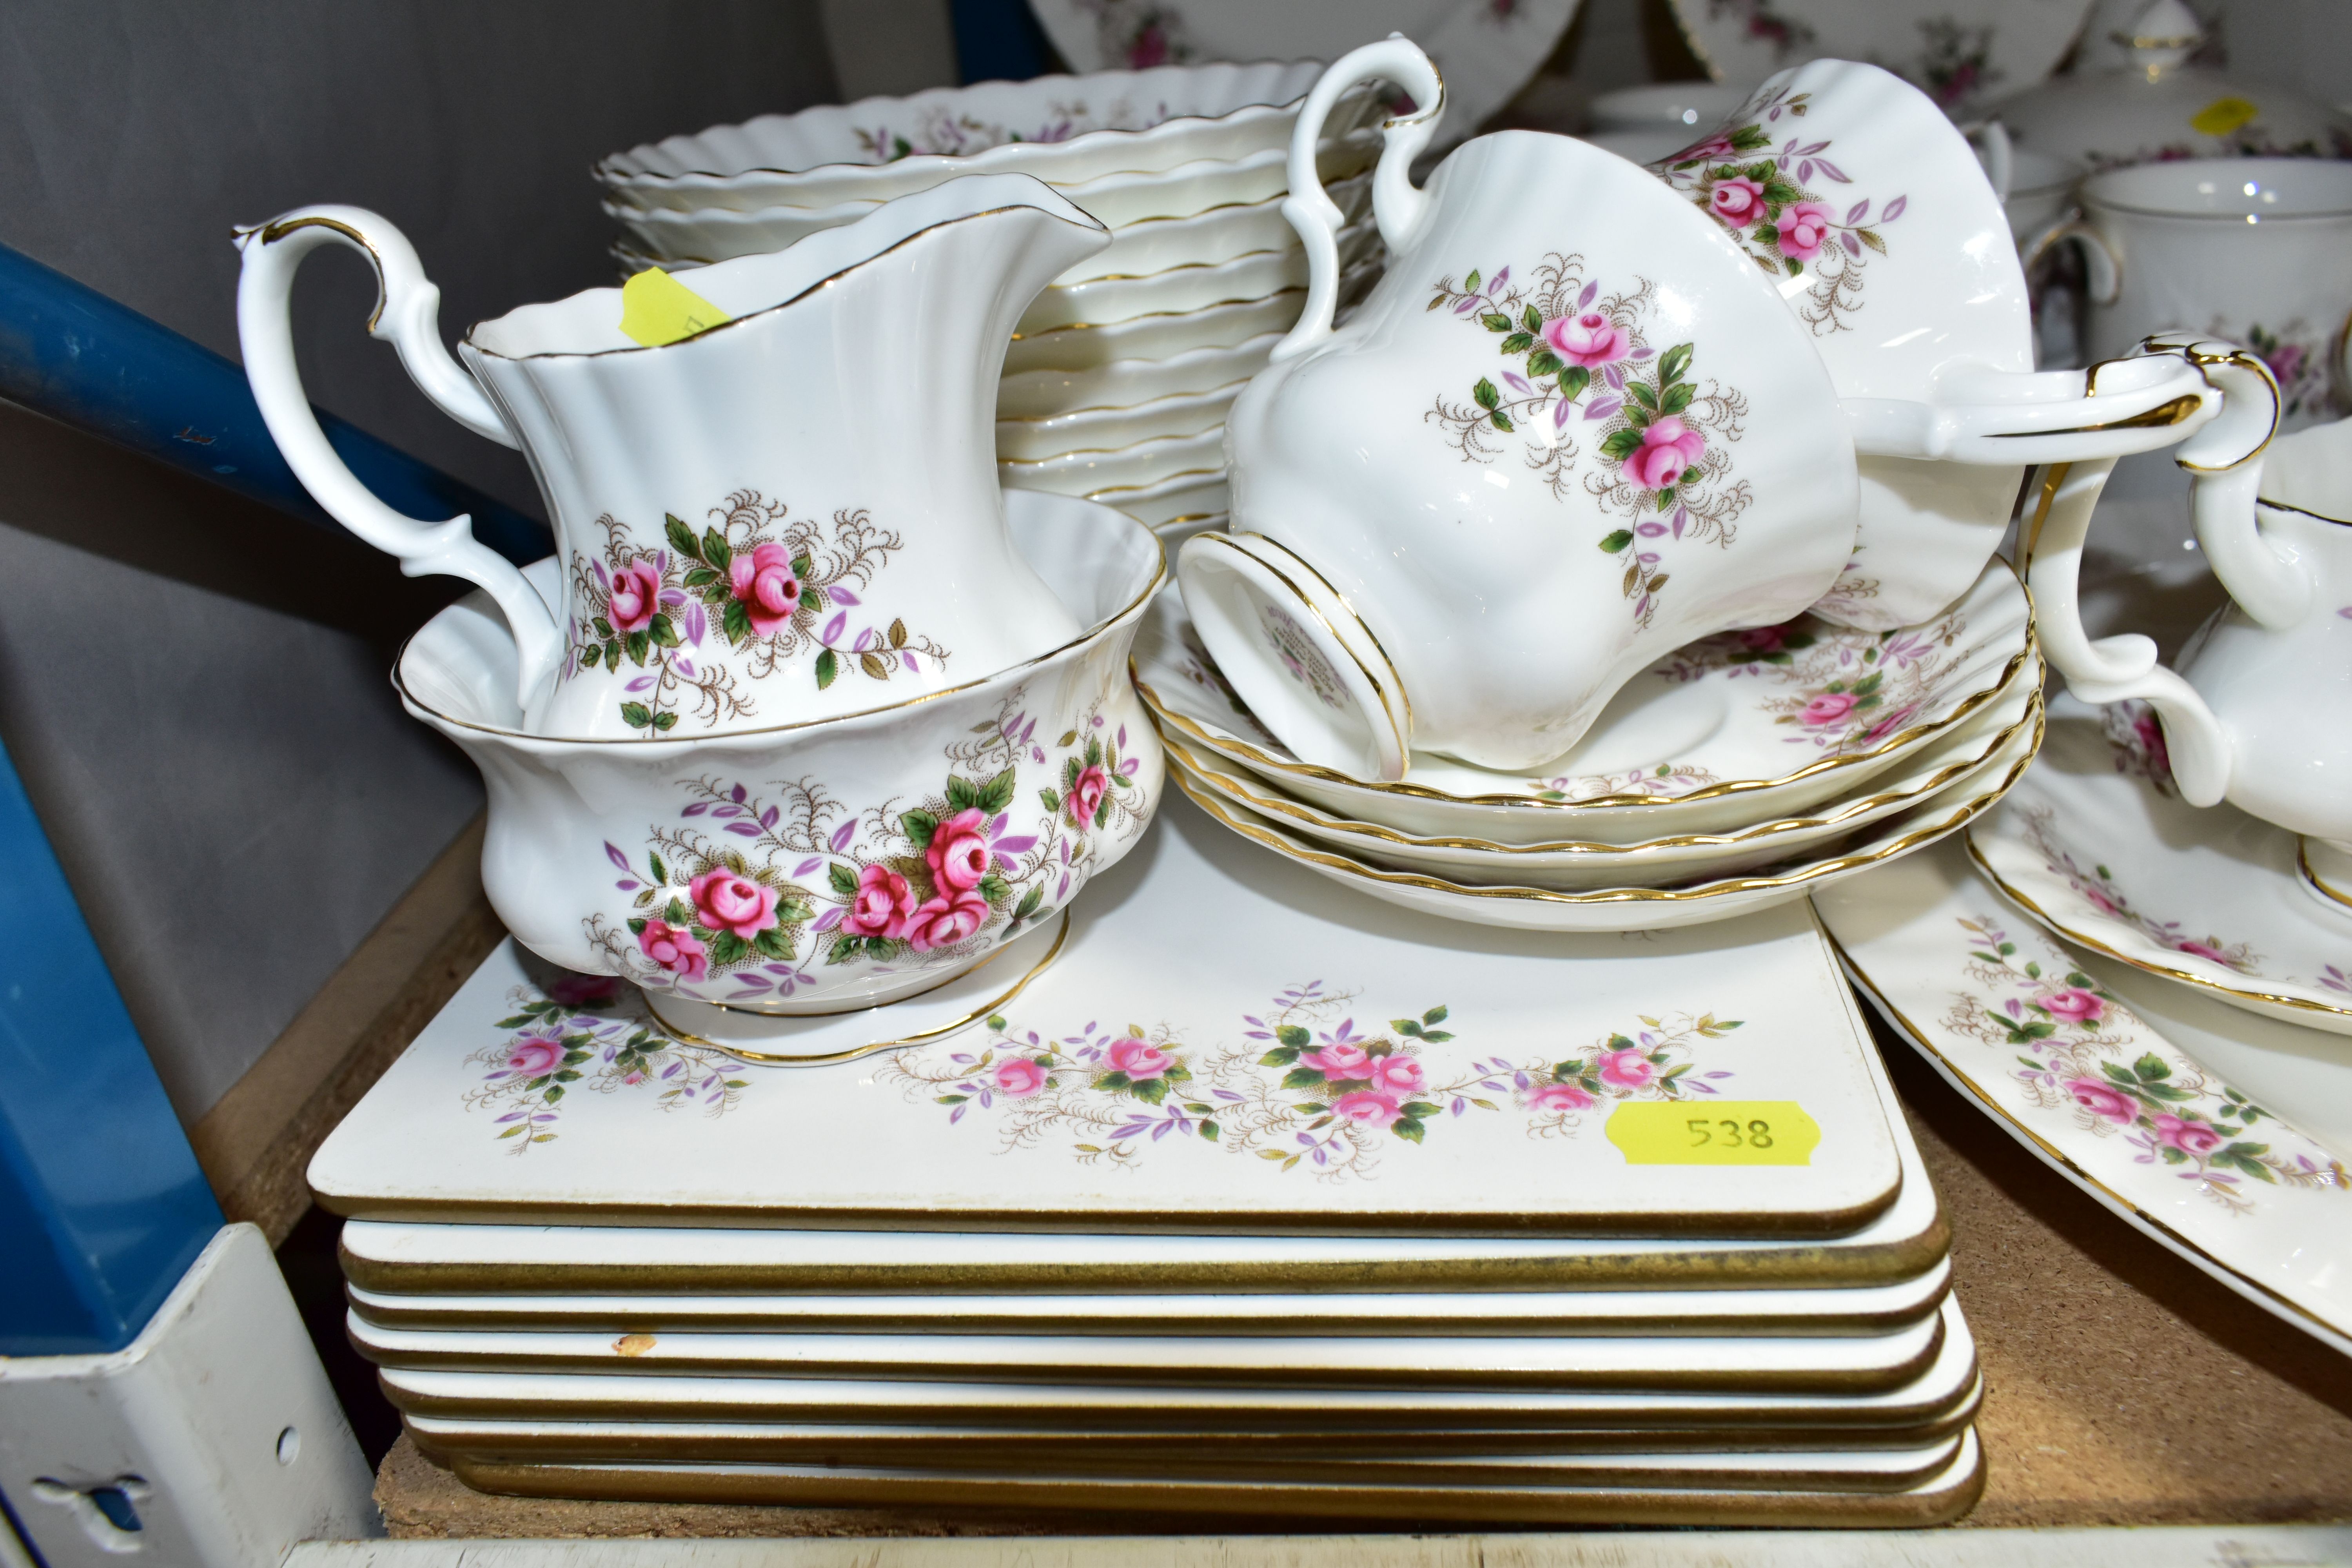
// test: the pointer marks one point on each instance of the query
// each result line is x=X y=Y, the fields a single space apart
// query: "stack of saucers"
x=1118 y=377
x=1741 y=772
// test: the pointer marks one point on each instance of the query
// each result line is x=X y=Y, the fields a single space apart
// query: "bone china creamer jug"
x=1572 y=429
x=791 y=516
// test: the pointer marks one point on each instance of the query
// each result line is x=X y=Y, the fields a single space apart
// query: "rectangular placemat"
x=1156 y=1077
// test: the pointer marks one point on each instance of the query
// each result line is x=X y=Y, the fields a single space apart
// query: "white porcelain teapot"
x=2259 y=713
x=792 y=515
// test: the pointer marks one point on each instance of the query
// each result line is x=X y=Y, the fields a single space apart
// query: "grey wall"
x=193 y=687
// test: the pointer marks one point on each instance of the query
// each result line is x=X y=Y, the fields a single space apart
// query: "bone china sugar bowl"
x=826 y=865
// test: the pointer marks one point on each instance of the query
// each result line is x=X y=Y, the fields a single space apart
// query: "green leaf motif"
x=1543 y=361
x=715 y=549
x=1292 y=1035
x=1488 y=398
x=1573 y=381
x=1620 y=444
x=919 y=825
x=735 y=620
x=1407 y=1126
x=681 y=538
x=1532 y=319
x=827 y=667
x=843 y=880
x=638 y=714
x=1303 y=1078
x=1673 y=362
x=1497 y=323
x=1618 y=541
x=1470 y=284
x=1517 y=343
x=1500 y=420
x=997 y=793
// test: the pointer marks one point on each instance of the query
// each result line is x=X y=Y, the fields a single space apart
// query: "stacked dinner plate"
x=1742 y=771
x=1117 y=383
x=1261 y=1201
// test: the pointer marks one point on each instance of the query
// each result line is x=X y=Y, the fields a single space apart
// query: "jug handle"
x=406 y=313
x=1999 y=153
x=1398 y=208
x=2114 y=669
x=2224 y=464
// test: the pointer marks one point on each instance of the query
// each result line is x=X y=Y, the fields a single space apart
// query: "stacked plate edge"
x=1118 y=377
x=1746 y=770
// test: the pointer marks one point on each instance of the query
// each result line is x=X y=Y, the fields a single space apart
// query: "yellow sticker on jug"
x=2223 y=116
x=1721 y=1132
x=657 y=308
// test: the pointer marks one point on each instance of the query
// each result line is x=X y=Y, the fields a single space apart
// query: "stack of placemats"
x=1260 y=1202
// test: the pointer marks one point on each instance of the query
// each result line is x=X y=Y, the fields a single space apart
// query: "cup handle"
x=2153 y=398
x=1398 y=208
x=2106 y=267
x=2114 y=668
x=2225 y=463
x=407 y=314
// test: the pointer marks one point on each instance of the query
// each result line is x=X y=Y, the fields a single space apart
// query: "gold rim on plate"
x=1276 y=841
x=2049 y=1152
x=2024 y=900
x=1257 y=757
x=1300 y=811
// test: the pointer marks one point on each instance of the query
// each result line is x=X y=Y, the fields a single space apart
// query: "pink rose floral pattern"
x=1765 y=197
x=751 y=887
x=2097 y=885
x=1846 y=690
x=589 y=1033
x=1301 y=1088
x=1139 y=34
x=2075 y=1052
x=1581 y=369
x=752 y=584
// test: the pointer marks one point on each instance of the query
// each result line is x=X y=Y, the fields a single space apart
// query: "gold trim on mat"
x=1137 y=1415
x=448 y=1314
x=1427 y=1503
x=1077 y=1369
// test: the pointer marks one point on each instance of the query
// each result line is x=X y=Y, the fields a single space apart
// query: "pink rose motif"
x=1590 y=340
x=2189 y=1137
x=1558 y=1096
x=1398 y=1075
x=2076 y=1006
x=1737 y=201
x=881 y=904
x=2102 y=1099
x=1628 y=1069
x=674 y=949
x=533 y=1055
x=736 y=905
x=946 y=920
x=1086 y=796
x=2205 y=951
x=2105 y=904
x=1367 y=1107
x=957 y=852
x=767 y=587
x=1668 y=446
x=1140 y=1060
x=1763 y=639
x=1803 y=226
x=1342 y=1059
x=1716 y=146
x=1895 y=718
x=1018 y=1077
x=636 y=594
x=1827 y=707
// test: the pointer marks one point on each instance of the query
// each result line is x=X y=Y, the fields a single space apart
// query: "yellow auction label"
x=2223 y=116
x=657 y=308
x=1722 y=1132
